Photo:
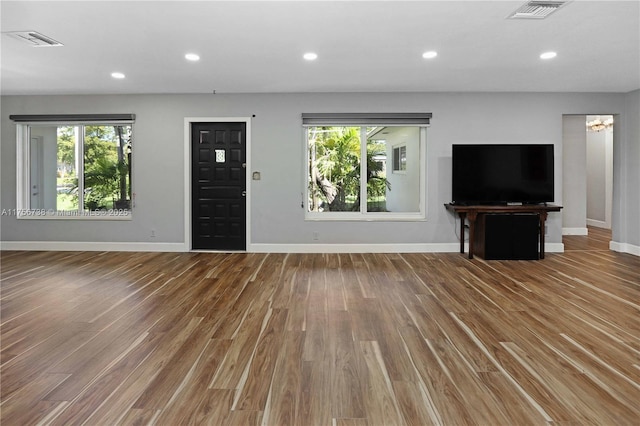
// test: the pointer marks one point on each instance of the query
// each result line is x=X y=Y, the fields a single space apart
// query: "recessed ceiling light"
x=310 y=56
x=430 y=54
x=548 y=55
x=118 y=75
x=192 y=57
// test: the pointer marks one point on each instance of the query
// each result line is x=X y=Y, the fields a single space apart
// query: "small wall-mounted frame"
x=220 y=156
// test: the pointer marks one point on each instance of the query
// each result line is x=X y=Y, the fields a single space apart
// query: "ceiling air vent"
x=537 y=9
x=34 y=38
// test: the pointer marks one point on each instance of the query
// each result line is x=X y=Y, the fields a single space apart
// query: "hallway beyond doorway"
x=598 y=239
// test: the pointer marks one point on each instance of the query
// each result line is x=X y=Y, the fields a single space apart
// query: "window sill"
x=359 y=217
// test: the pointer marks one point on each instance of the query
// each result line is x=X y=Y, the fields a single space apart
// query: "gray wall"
x=277 y=152
x=574 y=174
x=626 y=175
x=598 y=144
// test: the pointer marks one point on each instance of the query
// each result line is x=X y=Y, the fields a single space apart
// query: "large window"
x=74 y=170
x=350 y=169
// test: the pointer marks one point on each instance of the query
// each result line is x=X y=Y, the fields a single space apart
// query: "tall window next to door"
x=351 y=163
x=74 y=170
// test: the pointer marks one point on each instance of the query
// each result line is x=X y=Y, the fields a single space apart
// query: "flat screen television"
x=502 y=174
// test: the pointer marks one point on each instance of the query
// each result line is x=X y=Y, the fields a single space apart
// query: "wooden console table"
x=471 y=213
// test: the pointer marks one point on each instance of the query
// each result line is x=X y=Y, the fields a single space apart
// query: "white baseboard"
x=624 y=248
x=90 y=246
x=553 y=247
x=598 y=223
x=376 y=248
x=253 y=248
x=575 y=231
x=356 y=248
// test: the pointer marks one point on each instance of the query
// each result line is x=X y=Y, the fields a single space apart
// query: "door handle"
x=244 y=193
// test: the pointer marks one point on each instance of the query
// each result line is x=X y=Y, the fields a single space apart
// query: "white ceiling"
x=363 y=46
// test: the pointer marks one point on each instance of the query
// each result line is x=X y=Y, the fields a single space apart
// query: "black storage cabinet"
x=507 y=236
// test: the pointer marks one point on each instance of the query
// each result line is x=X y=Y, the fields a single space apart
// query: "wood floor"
x=312 y=339
x=598 y=239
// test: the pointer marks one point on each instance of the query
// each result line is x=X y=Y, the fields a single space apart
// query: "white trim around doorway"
x=187 y=172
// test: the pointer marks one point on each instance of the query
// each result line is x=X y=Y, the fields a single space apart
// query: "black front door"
x=218 y=186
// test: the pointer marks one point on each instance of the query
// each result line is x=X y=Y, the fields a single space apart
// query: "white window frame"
x=363 y=215
x=23 y=209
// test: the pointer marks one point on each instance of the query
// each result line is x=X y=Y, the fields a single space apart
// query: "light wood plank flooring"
x=598 y=239
x=313 y=339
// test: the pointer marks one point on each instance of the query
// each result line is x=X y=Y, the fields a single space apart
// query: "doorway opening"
x=587 y=172
x=599 y=142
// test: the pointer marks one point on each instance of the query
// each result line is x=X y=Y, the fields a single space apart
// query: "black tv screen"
x=501 y=174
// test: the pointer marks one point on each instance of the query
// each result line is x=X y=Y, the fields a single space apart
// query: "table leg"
x=543 y=219
x=462 y=219
x=472 y=230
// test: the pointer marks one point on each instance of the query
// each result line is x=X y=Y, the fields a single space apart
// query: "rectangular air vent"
x=537 y=9
x=34 y=38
